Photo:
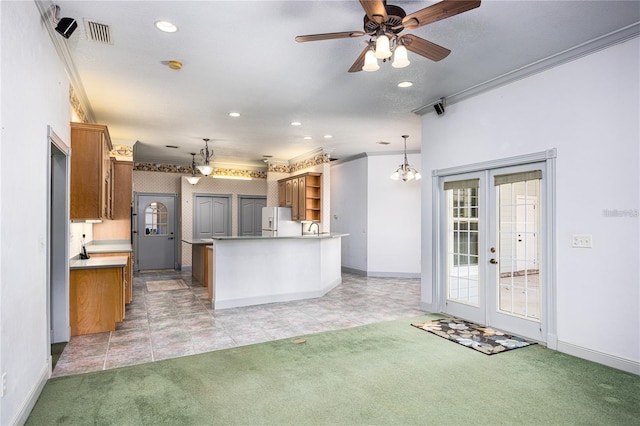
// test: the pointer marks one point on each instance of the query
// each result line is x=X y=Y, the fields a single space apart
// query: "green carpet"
x=388 y=373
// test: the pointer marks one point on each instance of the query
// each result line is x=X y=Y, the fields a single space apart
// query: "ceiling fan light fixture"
x=370 y=62
x=400 y=58
x=383 y=48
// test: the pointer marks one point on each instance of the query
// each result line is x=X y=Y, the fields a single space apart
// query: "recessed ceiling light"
x=166 y=26
x=234 y=114
x=405 y=84
x=328 y=136
x=308 y=137
x=296 y=123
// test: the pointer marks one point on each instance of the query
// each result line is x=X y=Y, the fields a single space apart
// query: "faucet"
x=317 y=227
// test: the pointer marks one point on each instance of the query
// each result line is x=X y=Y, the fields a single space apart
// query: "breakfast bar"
x=245 y=271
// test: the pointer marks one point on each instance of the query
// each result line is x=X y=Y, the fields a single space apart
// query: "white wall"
x=35 y=93
x=381 y=216
x=349 y=210
x=394 y=218
x=588 y=109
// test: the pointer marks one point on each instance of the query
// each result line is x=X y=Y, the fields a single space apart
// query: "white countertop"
x=109 y=246
x=205 y=241
x=98 y=262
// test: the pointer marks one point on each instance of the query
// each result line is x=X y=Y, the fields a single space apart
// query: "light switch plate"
x=581 y=241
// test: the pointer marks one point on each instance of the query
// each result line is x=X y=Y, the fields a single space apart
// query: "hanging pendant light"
x=206 y=169
x=193 y=179
x=405 y=171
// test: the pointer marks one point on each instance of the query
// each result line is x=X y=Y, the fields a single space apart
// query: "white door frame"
x=548 y=157
x=58 y=181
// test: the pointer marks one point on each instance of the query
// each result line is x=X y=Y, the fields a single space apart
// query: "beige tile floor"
x=175 y=323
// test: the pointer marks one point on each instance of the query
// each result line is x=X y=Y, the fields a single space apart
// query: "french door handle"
x=171 y=238
x=493 y=261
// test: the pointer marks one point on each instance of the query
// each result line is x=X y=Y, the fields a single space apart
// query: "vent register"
x=98 y=32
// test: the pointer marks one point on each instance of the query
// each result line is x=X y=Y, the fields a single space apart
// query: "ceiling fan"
x=384 y=23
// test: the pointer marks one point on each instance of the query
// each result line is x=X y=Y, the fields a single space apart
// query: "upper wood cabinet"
x=91 y=193
x=303 y=193
x=121 y=188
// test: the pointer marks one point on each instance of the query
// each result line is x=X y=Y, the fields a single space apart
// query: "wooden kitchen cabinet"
x=295 y=199
x=90 y=197
x=312 y=197
x=282 y=199
x=128 y=273
x=303 y=193
x=121 y=188
x=95 y=300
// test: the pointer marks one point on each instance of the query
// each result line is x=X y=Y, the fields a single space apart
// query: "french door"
x=491 y=248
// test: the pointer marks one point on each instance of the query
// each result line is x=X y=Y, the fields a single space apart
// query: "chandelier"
x=405 y=171
x=206 y=155
x=193 y=179
x=383 y=48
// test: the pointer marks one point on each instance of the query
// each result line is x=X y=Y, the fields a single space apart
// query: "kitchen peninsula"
x=244 y=271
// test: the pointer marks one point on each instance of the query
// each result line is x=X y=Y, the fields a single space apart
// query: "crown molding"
x=584 y=49
x=46 y=7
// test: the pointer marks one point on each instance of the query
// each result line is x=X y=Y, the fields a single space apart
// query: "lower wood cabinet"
x=200 y=264
x=128 y=273
x=96 y=299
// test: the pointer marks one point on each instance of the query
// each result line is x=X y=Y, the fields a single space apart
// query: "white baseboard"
x=376 y=274
x=609 y=360
x=23 y=413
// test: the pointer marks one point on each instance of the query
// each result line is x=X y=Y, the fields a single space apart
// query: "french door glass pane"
x=519 y=248
x=462 y=245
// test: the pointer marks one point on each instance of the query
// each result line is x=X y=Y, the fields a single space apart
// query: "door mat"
x=165 y=285
x=482 y=339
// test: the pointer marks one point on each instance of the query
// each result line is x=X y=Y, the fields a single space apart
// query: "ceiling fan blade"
x=359 y=63
x=375 y=10
x=438 y=11
x=425 y=48
x=329 y=36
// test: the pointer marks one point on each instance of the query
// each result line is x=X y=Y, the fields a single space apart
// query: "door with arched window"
x=155 y=232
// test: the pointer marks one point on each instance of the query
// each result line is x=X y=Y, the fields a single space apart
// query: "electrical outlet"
x=4 y=384
x=581 y=241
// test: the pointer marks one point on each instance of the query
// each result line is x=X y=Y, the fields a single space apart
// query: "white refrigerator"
x=276 y=222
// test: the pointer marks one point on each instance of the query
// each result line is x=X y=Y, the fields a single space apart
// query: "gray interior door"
x=156 y=221
x=250 y=215
x=211 y=216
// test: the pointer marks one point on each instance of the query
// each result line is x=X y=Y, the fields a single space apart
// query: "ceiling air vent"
x=98 y=32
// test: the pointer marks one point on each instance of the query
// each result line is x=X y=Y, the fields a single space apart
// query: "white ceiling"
x=241 y=56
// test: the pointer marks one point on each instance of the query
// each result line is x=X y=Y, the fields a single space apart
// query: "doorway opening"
x=58 y=232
